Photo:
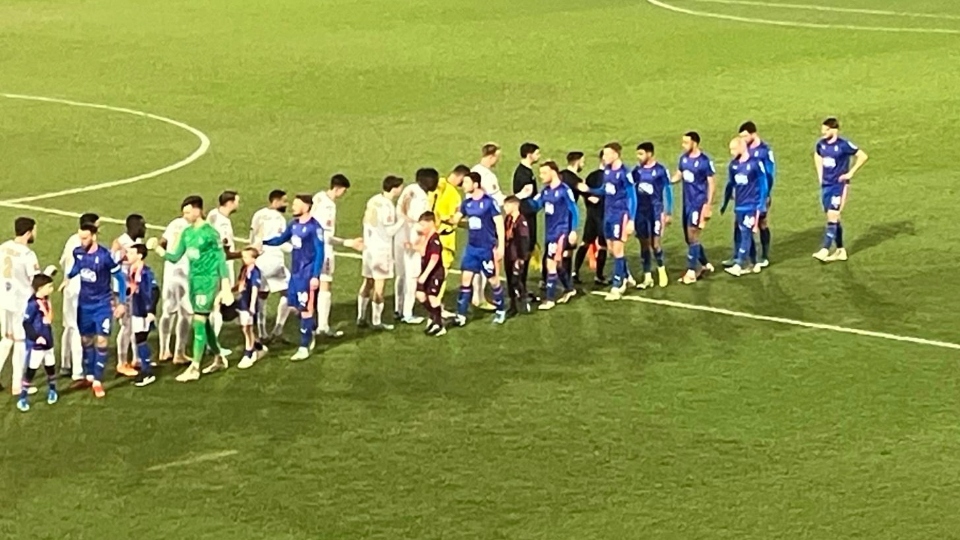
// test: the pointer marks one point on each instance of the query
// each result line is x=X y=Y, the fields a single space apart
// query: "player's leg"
x=325 y=296
x=363 y=300
x=589 y=238
x=411 y=272
x=765 y=235
x=831 y=204
x=34 y=359
x=435 y=308
x=727 y=263
x=202 y=294
x=466 y=288
x=422 y=299
x=169 y=305
x=250 y=355
x=305 y=298
x=745 y=221
x=70 y=352
x=550 y=265
x=6 y=341
x=101 y=351
x=399 y=280
x=377 y=305
x=662 y=278
x=646 y=256
x=841 y=253
x=123 y=345
x=141 y=333
x=50 y=368
x=490 y=268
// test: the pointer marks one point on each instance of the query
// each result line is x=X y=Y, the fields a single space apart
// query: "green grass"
x=593 y=421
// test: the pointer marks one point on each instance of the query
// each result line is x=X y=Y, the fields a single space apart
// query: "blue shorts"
x=649 y=224
x=556 y=245
x=478 y=261
x=299 y=294
x=613 y=226
x=747 y=220
x=693 y=217
x=833 y=197
x=95 y=319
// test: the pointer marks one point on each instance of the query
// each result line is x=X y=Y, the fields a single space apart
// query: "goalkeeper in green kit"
x=209 y=282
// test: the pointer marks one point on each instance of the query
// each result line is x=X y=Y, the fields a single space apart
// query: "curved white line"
x=829 y=9
x=817 y=26
x=200 y=151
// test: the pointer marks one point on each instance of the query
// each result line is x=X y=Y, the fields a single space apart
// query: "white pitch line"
x=791 y=322
x=200 y=150
x=790 y=24
x=830 y=9
x=197 y=459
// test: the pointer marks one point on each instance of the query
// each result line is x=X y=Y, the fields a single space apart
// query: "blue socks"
x=619 y=271
x=89 y=357
x=693 y=256
x=551 y=286
x=829 y=235
x=839 y=235
x=745 y=246
x=143 y=352
x=100 y=362
x=463 y=300
x=703 y=255
x=306 y=330
x=498 y=296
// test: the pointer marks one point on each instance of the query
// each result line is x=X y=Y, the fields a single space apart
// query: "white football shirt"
x=172 y=235
x=489 y=182
x=268 y=223
x=67 y=261
x=18 y=265
x=380 y=224
x=324 y=210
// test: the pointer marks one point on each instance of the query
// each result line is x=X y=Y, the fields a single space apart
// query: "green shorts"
x=203 y=293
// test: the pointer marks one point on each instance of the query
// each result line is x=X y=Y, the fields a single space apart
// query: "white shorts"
x=274 y=273
x=245 y=317
x=70 y=310
x=11 y=325
x=35 y=359
x=175 y=296
x=377 y=264
x=326 y=273
x=139 y=324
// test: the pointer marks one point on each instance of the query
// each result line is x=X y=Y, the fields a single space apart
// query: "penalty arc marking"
x=204 y=145
x=798 y=24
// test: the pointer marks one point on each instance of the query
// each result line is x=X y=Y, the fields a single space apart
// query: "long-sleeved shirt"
x=201 y=245
x=747 y=183
x=96 y=267
x=306 y=237
x=619 y=193
x=562 y=214
x=38 y=324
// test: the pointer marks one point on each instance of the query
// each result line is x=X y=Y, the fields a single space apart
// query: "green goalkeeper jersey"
x=201 y=245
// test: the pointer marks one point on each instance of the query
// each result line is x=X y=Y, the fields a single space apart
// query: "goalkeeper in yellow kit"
x=446 y=204
x=209 y=282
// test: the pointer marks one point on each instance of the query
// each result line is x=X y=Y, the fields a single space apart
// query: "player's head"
x=339 y=184
x=249 y=255
x=392 y=185
x=428 y=178
x=42 y=285
x=278 y=200
x=748 y=131
x=830 y=128
x=490 y=154
x=471 y=183
x=192 y=208
x=611 y=153
x=645 y=152
x=738 y=146
x=229 y=201
x=511 y=205
x=136 y=253
x=427 y=221
x=575 y=160
x=88 y=235
x=302 y=204
x=530 y=152
x=691 y=141
x=25 y=228
x=136 y=226
x=456 y=175
x=89 y=217
x=549 y=172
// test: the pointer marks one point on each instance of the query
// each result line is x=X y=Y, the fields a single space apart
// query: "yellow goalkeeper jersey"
x=446 y=203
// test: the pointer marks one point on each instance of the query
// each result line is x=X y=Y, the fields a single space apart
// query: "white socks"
x=362 y=303
x=6 y=346
x=377 y=318
x=324 y=299
x=283 y=311
x=165 y=329
x=261 y=321
x=184 y=329
x=216 y=320
x=19 y=357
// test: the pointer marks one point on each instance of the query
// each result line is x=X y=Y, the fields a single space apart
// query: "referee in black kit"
x=593 y=229
x=522 y=177
x=571 y=177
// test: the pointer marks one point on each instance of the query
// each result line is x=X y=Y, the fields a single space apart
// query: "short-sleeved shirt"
x=18 y=265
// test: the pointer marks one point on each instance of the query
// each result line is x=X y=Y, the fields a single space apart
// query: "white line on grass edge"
x=196 y=459
x=200 y=150
x=830 y=9
x=791 y=24
x=205 y=143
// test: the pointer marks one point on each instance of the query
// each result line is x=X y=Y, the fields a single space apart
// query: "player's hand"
x=354 y=243
x=629 y=228
x=593 y=200
x=314 y=283
x=63 y=285
x=152 y=243
x=583 y=187
x=525 y=192
x=119 y=311
x=667 y=219
x=226 y=297
x=707 y=212
x=422 y=279
x=572 y=238
x=846 y=177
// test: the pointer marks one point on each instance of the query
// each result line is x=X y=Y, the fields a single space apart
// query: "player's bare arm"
x=818 y=163
x=431 y=265
x=501 y=236
x=860 y=159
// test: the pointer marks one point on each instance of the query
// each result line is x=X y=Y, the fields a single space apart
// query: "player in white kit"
x=489 y=157
x=219 y=218
x=71 y=349
x=324 y=210
x=18 y=265
x=136 y=230
x=174 y=299
x=380 y=225
x=269 y=222
x=413 y=202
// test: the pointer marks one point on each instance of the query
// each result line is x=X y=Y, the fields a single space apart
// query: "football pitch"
x=810 y=401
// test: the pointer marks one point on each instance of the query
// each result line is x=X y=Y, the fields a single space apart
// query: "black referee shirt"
x=594 y=181
x=522 y=177
x=572 y=180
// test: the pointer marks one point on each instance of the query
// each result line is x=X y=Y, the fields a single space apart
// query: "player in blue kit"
x=654 y=208
x=38 y=329
x=747 y=184
x=305 y=235
x=760 y=151
x=485 y=246
x=699 y=185
x=832 y=159
x=620 y=207
x=562 y=220
x=144 y=297
x=249 y=285
x=96 y=307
